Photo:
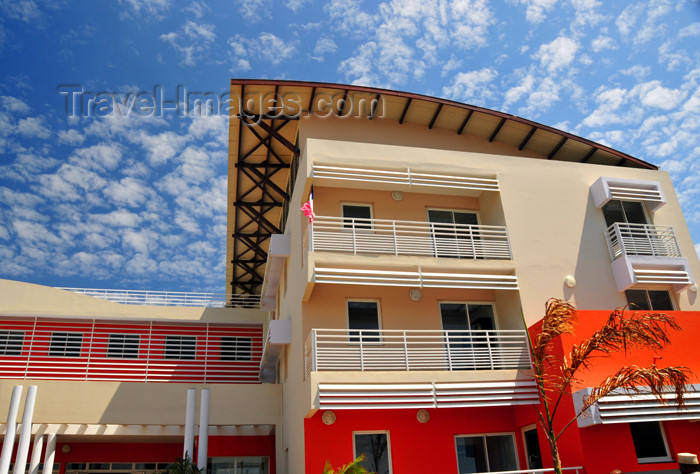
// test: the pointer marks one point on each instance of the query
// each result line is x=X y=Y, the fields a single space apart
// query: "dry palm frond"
x=648 y=330
x=560 y=318
x=659 y=381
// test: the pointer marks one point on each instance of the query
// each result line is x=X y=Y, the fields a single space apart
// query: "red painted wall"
x=219 y=446
x=601 y=449
x=414 y=446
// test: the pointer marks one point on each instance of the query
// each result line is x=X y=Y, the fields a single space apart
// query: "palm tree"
x=555 y=373
x=354 y=467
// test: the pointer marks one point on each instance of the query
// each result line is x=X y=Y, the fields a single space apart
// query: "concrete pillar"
x=36 y=454
x=187 y=450
x=25 y=435
x=203 y=429
x=50 y=453
x=8 y=444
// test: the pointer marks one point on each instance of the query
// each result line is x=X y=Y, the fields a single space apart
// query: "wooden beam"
x=498 y=129
x=527 y=138
x=464 y=124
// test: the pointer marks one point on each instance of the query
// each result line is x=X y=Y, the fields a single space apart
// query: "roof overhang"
x=263 y=150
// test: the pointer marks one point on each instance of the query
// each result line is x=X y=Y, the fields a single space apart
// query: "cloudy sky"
x=98 y=199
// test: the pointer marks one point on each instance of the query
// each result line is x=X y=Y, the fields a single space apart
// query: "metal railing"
x=414 y=350
x=390 y=237
x=129 y=351
x=170 y=298
x=641 y=239
x=576 y=470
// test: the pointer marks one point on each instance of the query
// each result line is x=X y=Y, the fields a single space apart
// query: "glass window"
x=65 y=344
x=375 y=447
x=467 y=316
x=631 y=212
x=236 y=348
x=486 y=453
x=649 y=441
x=123 y=346
x=238 y=465
x=11 y=343
x=649 y=300
x=363 y=315
x=180 y=347
x=357 y=216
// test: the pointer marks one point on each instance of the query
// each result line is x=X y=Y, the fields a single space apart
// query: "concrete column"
x=50 y=453
x=187 y=450
x=8 y=445
x=25 y=435
x=203 y=429
x=36 y=454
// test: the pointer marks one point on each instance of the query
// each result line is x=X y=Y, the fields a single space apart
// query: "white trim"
x=483 y=436
x=650 y=460
x=388 y=444
x=524 y=429
x=607 y=188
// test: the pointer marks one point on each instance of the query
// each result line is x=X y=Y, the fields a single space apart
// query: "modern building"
x=392 y=323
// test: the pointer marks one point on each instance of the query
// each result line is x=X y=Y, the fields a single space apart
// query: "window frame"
x=645 y=211
x=646 y=291
x=467 y=303
x=484 y=436
x=7 y=348
x=371 y=432
x=376 y=339
x=523 y=430
x=656 y=459
x=63 y=352
x=123 y=349
x=349 y=227
x=452 y=210
x=235 y=354
x=182 y=337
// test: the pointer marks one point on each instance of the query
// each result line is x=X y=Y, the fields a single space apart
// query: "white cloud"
x=149 y=8
x=690 y=31
x=193 y=41
x=25 y=10
x=295 y=5
x=266 y=47
x=653 y=94
x=537 y=10
x=120 y=218
x=71 y=137
x=324 y=45
x=128 y=191
x=33 y=127
x=161 y=147
x=100 y=157
x=603 y=42
x=14 y=104
x=35 y=232
x=558 y=54
x=474 y=87
x=252 y=10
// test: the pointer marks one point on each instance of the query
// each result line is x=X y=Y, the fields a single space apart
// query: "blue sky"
x=139 y=202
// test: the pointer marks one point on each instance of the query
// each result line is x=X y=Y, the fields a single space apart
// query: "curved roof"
x=263 y=148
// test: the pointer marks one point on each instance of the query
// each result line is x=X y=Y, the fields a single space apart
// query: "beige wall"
x=145 y=403
x=554 y=228
x=27 y=299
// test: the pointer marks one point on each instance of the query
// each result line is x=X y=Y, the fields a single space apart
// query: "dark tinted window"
x=65 y=344
x=648 y=440
x=363 y=315
x=123 y=346
x=180 y=347
x=11 y=343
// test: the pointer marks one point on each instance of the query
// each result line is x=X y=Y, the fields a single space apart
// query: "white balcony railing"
x=389 y=237
x=641 y=239
x=170 y=298
x=414 y=350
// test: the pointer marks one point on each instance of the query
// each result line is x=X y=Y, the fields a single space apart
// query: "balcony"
x=415 y=350
x=644 y=254
x=641 y=239
x=413 y=238
x=170 y=298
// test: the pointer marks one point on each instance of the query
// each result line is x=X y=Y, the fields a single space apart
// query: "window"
x=180 y=347
x=357 y=216
x=631 y=212
x=375 y=447
x=65 y=344
x=649 y=442
x=486 y=453
x=363 y=315
x=467 y=350
x=451 y=238
x=649 y=300
x=236 y=348
x=238 y=465
x=532 y=448
x=11 y=343
x=123 y=346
